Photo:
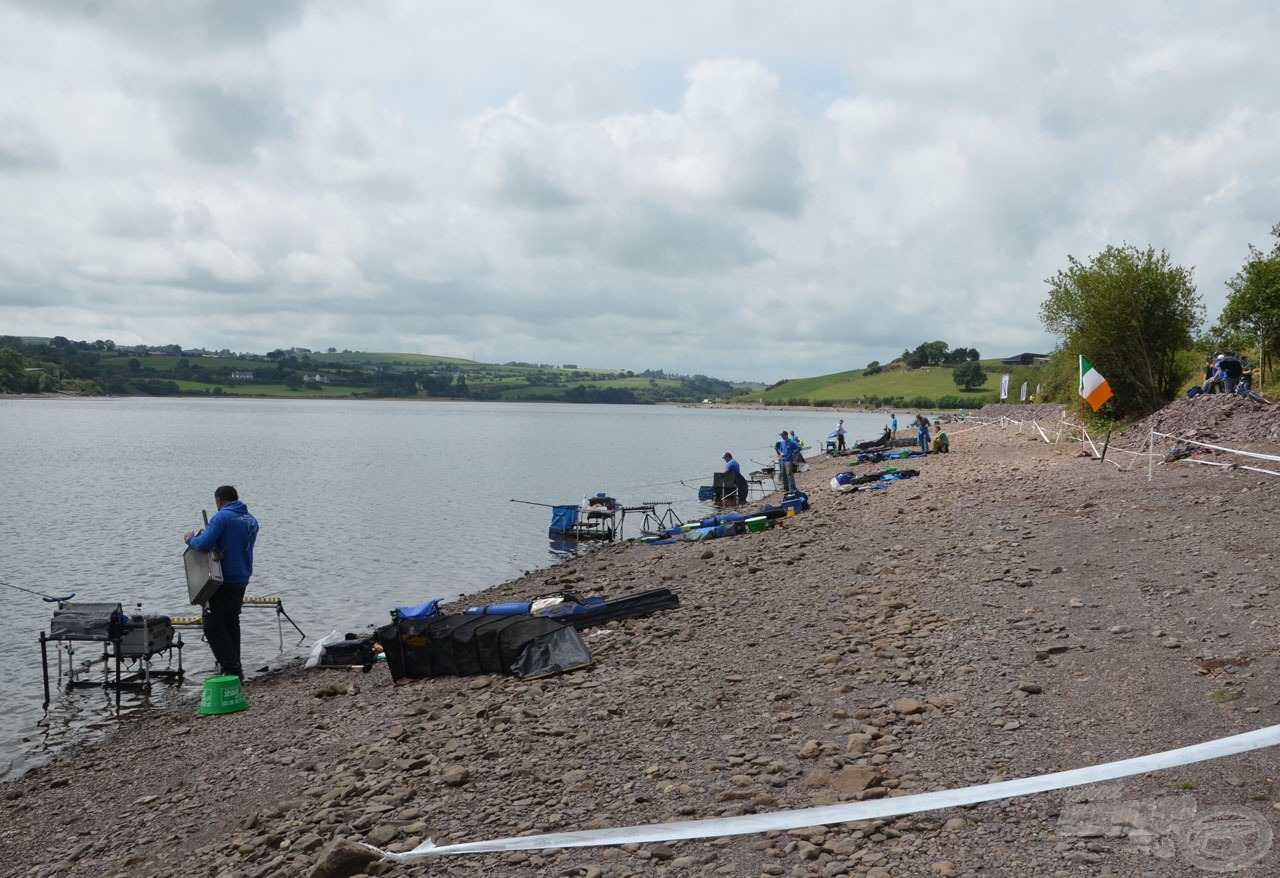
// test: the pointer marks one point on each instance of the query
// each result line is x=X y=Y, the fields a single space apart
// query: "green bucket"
x=756 y=525
x=222 y=695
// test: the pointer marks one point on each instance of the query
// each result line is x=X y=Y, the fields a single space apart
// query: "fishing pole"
x=532 y=503
x=50 y=599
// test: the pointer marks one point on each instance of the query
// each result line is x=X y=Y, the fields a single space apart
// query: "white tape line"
x=850 y=811
x=1257 y=454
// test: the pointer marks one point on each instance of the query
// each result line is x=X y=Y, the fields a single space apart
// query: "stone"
x=343 y=859
x=855 y=779
x=455 y=776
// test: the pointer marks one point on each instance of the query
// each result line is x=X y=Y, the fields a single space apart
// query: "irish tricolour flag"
x=1093 y=387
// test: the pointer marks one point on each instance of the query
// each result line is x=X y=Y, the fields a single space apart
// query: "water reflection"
x=562 y=550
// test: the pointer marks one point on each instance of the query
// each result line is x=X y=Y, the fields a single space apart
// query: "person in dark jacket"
x=231 y=532
x=1232 y=369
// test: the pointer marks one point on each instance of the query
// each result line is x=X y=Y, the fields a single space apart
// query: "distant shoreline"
x=748 y=406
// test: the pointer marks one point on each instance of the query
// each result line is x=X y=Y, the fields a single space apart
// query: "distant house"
x=1025 y=359
x=316 y=378
x=242 y=376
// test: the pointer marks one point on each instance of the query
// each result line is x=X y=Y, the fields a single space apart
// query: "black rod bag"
x=629 y=607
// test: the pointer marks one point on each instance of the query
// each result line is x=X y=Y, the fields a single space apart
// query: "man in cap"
x=740 y=486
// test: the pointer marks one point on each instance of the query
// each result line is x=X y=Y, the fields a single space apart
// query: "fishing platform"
x=129 y=644
x=132 y=645
x=602 y=518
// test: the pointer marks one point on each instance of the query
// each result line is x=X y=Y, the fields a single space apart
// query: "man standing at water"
x=231 y=532
x=786 y=461
x=922 y=432
x=734 y=469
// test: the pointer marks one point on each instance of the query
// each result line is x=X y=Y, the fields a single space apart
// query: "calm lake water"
x=364 y=506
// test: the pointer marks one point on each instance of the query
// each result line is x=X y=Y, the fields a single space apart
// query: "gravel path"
x=1013 y=610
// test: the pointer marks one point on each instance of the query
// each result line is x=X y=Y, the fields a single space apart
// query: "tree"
x=969 y=375
x=1253 y=305
x=1132 y=314
x=929 y=353
x=11 y=374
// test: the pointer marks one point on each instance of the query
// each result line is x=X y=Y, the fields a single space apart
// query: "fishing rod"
x=49 y=599
x=533 y=503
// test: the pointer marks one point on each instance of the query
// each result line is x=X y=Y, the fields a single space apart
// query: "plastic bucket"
x=222 y=695
x=755 y=525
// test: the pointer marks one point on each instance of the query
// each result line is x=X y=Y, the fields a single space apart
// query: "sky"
x=752 y=191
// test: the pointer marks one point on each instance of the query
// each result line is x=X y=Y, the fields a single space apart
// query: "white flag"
x=1024 y=391
x=1004 y=386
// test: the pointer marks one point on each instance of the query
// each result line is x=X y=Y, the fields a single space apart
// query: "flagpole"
x=1080 y=394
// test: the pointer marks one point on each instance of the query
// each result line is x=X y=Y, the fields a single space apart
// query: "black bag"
x=440 y=644
x=461 y=644
x=87 y=622
x=405 y=642
x=465 y=657
x=353 y=652
x=630 y=607
x=513 y=638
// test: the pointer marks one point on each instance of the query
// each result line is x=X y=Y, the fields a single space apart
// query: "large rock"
x=855 y=779
x=342 y=859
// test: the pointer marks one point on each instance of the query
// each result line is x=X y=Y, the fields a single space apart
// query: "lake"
x=363 y=505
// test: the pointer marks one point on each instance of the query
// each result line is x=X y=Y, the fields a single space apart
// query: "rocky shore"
x=1015 y=609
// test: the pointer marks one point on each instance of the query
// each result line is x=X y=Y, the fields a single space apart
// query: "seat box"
x=144 y=637
x=86 y=622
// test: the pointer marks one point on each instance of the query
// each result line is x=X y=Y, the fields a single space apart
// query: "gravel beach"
x=1016 y=609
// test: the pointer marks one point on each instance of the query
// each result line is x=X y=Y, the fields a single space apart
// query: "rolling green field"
x=275 y=390
x=92 y=368
x=353 y=358
x=897 y=384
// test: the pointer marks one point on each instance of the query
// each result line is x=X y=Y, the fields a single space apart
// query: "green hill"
x=898 y=386
x=62 y=365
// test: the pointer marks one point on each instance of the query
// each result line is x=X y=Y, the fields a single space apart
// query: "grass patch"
x=1225 y=696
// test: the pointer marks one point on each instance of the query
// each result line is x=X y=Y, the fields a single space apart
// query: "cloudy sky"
x=748 y=190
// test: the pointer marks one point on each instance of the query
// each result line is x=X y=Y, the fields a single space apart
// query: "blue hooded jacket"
x=233 y=531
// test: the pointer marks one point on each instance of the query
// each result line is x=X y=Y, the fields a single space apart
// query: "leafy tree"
x=929 y=353
x=1131 y=313
x=969 y=375
x=873 y=368
x=1253 y=305
x=11 y=374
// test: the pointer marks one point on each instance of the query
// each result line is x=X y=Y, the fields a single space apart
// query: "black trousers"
x=222 y=626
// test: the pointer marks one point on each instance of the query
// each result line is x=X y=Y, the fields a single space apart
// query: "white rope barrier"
x=847 y=812
x=1151 y=441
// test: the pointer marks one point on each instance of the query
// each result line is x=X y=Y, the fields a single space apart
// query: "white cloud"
x=731 y=189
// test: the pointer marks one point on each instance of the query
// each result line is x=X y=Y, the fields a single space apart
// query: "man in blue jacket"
x=787 y=449
x=231 y=532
